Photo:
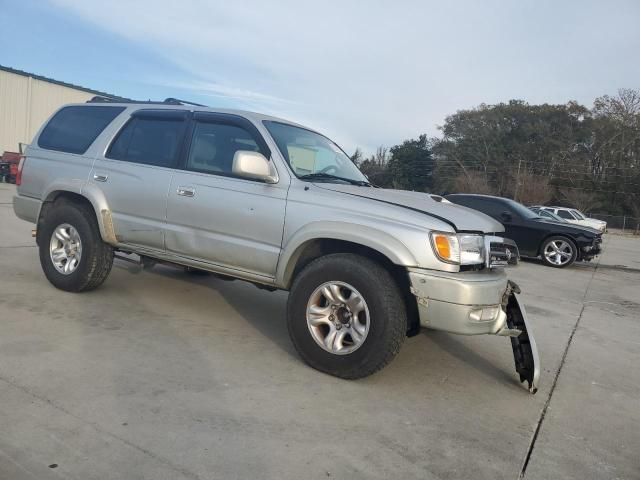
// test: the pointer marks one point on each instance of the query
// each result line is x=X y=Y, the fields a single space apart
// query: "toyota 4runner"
x=274 y=203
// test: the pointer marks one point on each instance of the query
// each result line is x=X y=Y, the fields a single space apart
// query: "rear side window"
x=73 y=129
x=152 y=139
x=476 y=203
x=489 y=207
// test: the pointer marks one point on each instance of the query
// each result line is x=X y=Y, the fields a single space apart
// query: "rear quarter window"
x=74 y=129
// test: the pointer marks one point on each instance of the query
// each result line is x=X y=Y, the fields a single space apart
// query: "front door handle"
x=187 y=191
x=100 y=177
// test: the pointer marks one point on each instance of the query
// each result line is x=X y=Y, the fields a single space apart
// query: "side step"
x=142 y=261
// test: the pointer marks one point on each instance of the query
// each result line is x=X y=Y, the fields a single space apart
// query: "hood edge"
x=438 y=217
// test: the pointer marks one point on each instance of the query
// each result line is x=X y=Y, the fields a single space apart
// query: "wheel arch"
x=313 y=248
x=89 y=197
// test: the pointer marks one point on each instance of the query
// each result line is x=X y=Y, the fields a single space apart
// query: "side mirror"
x=254 y=165
x=506 y=217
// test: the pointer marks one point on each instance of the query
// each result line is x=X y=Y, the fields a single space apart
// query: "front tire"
x=346 y=316
x=72 y=254
x=558 y=252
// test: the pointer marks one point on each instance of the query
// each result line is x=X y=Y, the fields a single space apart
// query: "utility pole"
x=515 y=193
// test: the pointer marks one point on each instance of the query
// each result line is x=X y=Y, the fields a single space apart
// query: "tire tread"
x=393 y=308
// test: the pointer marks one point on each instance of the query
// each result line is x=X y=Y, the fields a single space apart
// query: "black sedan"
x=559 y=244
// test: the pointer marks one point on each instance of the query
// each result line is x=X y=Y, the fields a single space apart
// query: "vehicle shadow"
x=265 y=311
x=576 y=264
x=505 y=374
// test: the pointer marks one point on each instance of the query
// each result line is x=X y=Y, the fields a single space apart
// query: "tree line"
x=587 y=158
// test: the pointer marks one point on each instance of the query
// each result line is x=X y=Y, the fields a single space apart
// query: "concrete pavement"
x=162 y=375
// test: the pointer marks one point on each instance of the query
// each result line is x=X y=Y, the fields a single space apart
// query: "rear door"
x=216 y=217
x=135 y=172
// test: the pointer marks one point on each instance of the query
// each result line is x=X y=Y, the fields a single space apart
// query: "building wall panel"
x=26 y=102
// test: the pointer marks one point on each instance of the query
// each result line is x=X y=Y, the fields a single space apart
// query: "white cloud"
x=377 y=72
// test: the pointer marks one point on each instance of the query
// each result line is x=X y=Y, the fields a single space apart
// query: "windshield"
x=309 y=153
x=551 y=215
x=577 y=214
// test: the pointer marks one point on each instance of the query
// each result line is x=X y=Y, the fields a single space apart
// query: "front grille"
x=502 y=252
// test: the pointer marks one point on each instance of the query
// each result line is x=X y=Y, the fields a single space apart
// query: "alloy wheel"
x=558 y=252
x=338 y=317
x=65 y=249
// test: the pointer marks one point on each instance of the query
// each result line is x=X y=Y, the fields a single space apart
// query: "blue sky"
x=365 y=73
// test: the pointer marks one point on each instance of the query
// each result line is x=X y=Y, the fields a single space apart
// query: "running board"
x=525 y=351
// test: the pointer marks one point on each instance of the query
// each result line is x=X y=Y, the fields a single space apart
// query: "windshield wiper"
x=328 y=176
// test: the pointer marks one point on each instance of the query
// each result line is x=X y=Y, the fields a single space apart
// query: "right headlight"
x=459 y=249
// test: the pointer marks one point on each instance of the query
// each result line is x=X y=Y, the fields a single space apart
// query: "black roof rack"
x=166 y=101
x=182 y=102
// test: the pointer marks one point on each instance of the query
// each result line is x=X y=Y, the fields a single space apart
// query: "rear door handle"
x=187 y=191
x=100 y=177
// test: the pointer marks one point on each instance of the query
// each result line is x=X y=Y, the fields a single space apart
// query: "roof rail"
x=101 y=99
x=182 y=102
x=166 y=101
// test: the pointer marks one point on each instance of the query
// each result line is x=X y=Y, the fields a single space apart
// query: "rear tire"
x=375 y=305
x=558 y=252
x=92 y=266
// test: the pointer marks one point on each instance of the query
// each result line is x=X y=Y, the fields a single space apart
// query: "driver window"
x=565 y=214
x=214 y=145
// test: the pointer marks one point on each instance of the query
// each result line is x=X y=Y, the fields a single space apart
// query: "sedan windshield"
x=550 y=215
x=312 y=156
x=577 y=214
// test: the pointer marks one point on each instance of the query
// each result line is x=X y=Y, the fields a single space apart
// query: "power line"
x=570 y=188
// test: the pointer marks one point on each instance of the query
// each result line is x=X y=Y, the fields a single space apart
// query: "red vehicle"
x=9 y=166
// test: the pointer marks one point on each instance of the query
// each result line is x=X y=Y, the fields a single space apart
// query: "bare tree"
x=583 y=200
x=534 y=189
x=625 y=107
x=635 y=210
x=381 y=157
x=472 y=182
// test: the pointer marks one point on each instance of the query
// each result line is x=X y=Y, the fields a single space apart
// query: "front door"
x=216 y=217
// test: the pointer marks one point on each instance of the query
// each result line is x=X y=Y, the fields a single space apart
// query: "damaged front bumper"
x=476 y=303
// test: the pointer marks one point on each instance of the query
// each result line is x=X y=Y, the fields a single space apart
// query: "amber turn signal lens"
x=442 y=246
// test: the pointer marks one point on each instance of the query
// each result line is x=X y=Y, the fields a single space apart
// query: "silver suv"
x=274 y=203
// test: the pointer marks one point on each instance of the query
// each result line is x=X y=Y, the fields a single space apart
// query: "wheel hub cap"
x=558 y=252
x=65 y=249
x=338 y=317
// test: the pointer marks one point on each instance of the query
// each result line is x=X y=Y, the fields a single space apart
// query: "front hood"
x=594 y=221
x=572 y=226
x=461 y=218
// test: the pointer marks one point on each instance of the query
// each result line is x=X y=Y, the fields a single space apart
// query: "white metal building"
x=27 y=100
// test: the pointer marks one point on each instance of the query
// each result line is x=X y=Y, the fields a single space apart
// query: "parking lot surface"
x=163 y=375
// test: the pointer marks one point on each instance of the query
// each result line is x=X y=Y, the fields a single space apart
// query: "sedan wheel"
x=558 y=252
